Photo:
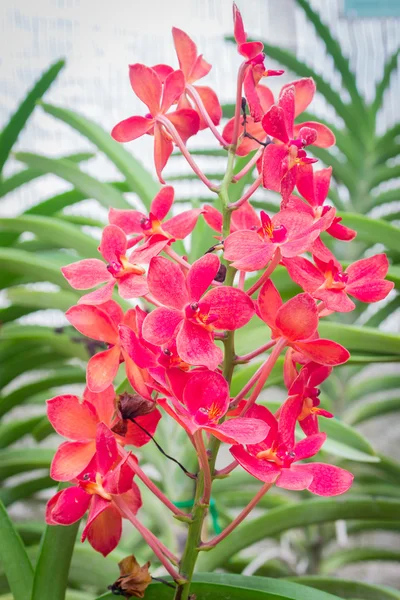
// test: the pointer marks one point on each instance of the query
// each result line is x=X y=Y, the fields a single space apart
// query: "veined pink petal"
x=305 y=183
x=104 y=403
x=239 y=32
x=162 y=71
x=135 y=348
x=93 y=322
x=274 y=123
x=102 y=369
x=375 y=267
x=67 y=506
x=186 y=122
x=298 y=317
x=250 y=49
x=137 y=377
x=296 y=224
x=70 y=459
x=287 y=103
x=113 y=243
x=104 y=529
x=201 y=274
x=196 y=346
x=167 y=283
x=113 y=310
x=204 y=390
x=160 y=325
x=245 y=217
x=257 y=260
x=71 y=418
x=288 y=413
x=181 y=225
x=132 y=286
x=162 y=202
x=199 y=70
x=106 y=449
x=328 y=480
x=296 y=204
x=322 y=181
x=341 y=232
x=246 y=144
x=269 y=302
x=257 y=411
x=186 y=50
x=304 y=273
x=233 y=307
x=324 y=352
x=372 y=291
x=147 y=86
x=247 y=250
x=304 y=93
x=132 y=128
x=86 y=273
x=100 y=296
x=288 y=183
x=261 y=469
x=253 y=100
x=132 y=498
x=212 y=217
x=127 y=220
x=294 y=478
x=143 y=254
x=174 y=86
x=325 y=137
x=163 y=148
x=336 y=300
x=243 y=430
x=211 y=104
x=310 y=446
x=274 y=166
x=136 y=436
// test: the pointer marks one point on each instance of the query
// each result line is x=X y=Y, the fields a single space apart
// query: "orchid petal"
x=196 y=346
x=132 y=128
x=147 y=86
x=86 y=273
x=328 y=480
x=201 y=274
x=127 y=220
x=160 y=325
x=167 y=283
x=261 y=469
x=232 y=307
x=297 y=319
x=70 y=459
x=162 y=202
x=71 y=418
x=102 y=369
x=93 y=322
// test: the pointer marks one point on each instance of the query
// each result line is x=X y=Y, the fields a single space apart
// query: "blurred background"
x=98 y=40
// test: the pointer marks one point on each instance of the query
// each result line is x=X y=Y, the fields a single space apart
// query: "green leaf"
x=11 y=131
x=302 y=514
x=228 y=586
x=382 y=174
x=361 y=339
x=341 y=63
x=15 y=430
x=370 y=385
x=392 y=195
x=14 y=559
x=383 y=84
x=346 y=442
x=15 y=460
x=105 y=193
x=354 y=590
x=61 y=300
x=33 y=268
x=51 y=572
x=24 y=490
x=138 y=178
x=62 y=235
x=27 y=175
x=373 y=231
x=364 y=412
x=383 y=313
x=346 y=556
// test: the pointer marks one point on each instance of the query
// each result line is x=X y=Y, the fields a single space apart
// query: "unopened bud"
x=133 y=405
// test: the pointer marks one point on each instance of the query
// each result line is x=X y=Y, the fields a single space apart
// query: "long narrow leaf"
x=383 y=84
x=353 y=590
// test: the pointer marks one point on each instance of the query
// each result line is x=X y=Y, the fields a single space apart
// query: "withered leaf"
x=133 y=579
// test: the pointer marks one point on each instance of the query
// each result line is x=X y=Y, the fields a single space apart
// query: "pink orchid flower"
x=297 y=321
x=364 y=280
x=153 y=228
x=281 y=159
x=291 y=232
x=106 y=479
x=273 y=460
x=158 y=95
x=77 y=420
x=189 y=316
x=102 y=323
x=244 y=217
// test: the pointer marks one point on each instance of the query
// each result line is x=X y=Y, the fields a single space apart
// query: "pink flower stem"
x=195 y=96
x=248 y=194
x=241 y=516
x=152 y=300
x=272 y=266
x=179 y=142
x=149 y=484
x=205 y=467
x=179 y=259
x=265 y=373
x=149 y=538
x=238 y=106
x=245 y=358
x=246 y=388
x=242 y=278
x=252 y=162
x=227 y=470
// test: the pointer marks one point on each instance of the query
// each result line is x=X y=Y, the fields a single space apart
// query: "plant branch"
x=195 y=96
x=276 y=259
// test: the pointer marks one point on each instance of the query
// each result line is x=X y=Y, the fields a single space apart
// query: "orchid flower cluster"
x=179 y=356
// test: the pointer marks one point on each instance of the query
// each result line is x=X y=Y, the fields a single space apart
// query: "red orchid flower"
x=254 y=57
x=272 y=460
x=314 y=187
x=364 y=280
x=245 y=217
x=288 y=231
x=102 y=323
x=254 y=128
x=119 y=269
x=77 y=420
x=281 y=159
x=303 y=404
x=105 y=480
x=189 y=316
x=151 y=228
x=204 y=401
x=297 y=322
x=194 y=67
x=158 y=96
